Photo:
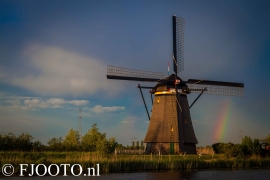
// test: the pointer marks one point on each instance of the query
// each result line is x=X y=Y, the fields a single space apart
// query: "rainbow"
x=221 y=126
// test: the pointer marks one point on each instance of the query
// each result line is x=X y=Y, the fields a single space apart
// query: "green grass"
x=131 y=163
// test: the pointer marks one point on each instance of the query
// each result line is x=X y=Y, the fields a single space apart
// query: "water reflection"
x=193 y=175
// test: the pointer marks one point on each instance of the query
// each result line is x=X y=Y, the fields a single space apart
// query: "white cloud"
x=55 y=71
x=14 y=102
x=78 y=102
x=100 y=109
x=35 y=102
x=56 y=101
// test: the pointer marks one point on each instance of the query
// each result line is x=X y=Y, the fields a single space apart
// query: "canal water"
x=200 y=174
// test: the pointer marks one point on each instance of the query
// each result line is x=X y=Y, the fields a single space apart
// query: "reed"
x=131 y=163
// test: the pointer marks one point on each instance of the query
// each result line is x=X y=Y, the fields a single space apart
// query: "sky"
x=54 y=57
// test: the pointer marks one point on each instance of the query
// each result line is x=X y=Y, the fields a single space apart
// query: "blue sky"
x=54 y=55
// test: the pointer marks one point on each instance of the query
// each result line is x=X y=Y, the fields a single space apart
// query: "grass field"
x=131 y=163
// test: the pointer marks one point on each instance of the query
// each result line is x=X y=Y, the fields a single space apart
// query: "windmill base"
x=170 y=148
x=190 y=148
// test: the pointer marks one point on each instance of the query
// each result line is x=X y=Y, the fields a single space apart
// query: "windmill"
x=170 y=129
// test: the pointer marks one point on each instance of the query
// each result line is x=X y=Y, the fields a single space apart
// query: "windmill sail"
x=120 y=73
x=178 y=43
x=216 y=87
x=178 y=61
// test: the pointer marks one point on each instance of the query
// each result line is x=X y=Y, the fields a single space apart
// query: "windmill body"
x=164 y=130
x=170 y=129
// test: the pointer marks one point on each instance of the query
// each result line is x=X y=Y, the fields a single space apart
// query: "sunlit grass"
x=132 y=163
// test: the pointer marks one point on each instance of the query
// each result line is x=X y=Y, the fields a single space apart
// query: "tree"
x=257 y=148
x=267 y=139
x=142 y=147
x=56 y=144
x=137 y=145
x=37 y=146
x=24 y=142
x=218 y=148
x=215 y=148
x=235 y=150
x=71 y=141
x=133 y=145
x=102 y=145
x=90 y=139
x=226 y=148
x=112 y=144
x=247 y=145
x=120 y=147
x=8 y=142
x=93 y=140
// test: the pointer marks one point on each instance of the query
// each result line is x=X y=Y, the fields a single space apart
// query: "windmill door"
x=171 y=148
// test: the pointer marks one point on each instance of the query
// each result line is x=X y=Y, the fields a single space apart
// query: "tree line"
x=247 y=148
x=23 y=142
x=92 y=141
